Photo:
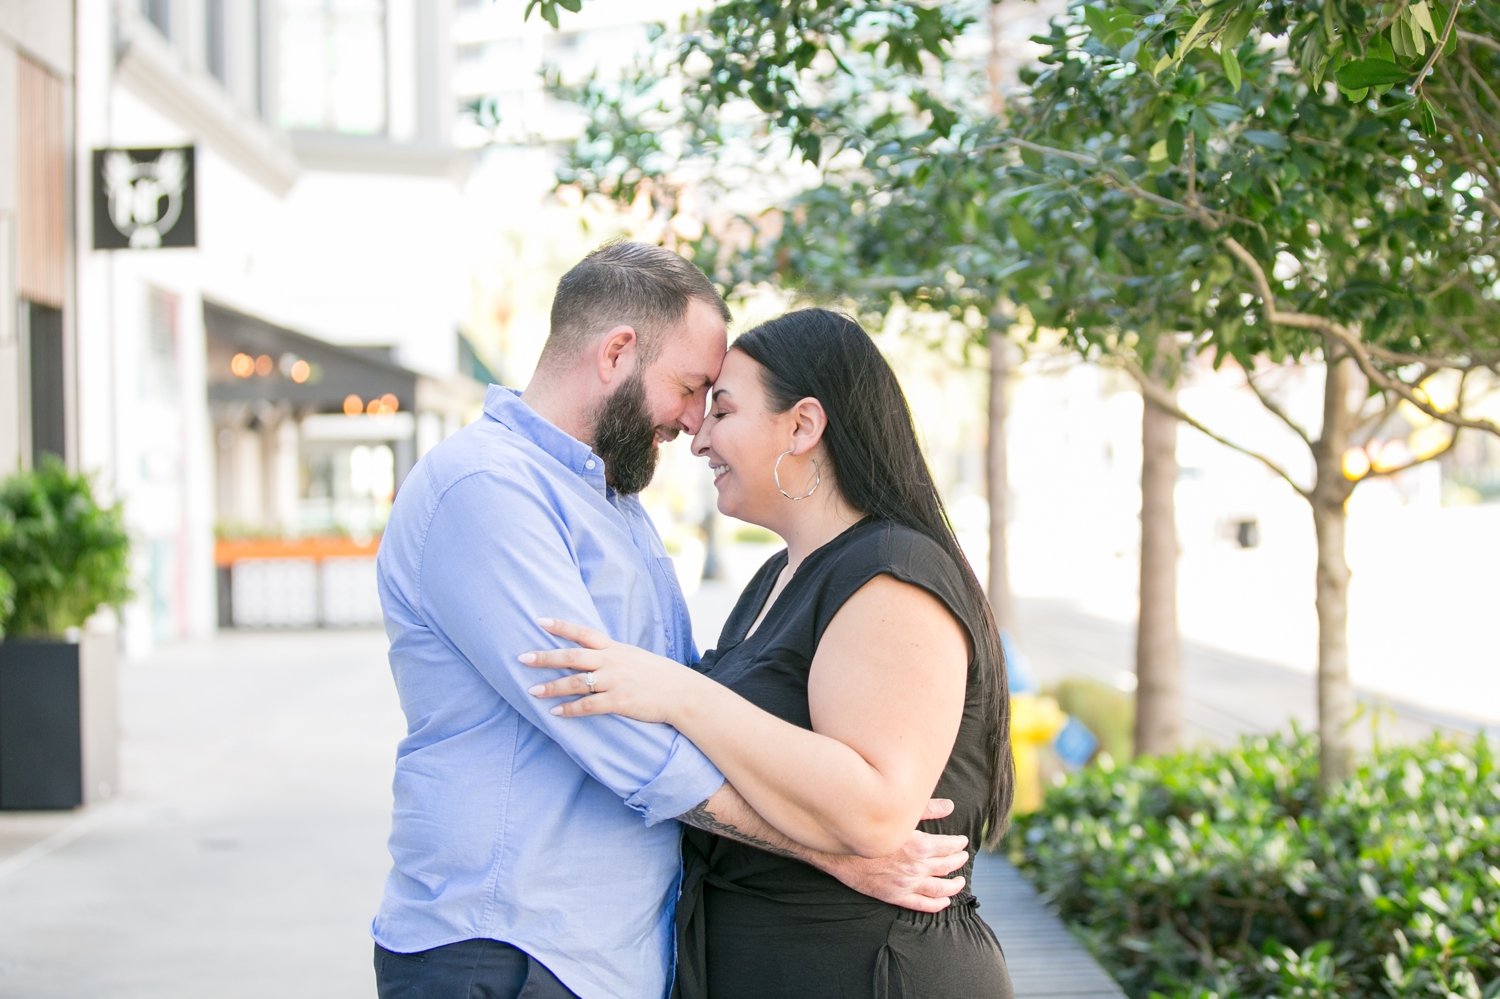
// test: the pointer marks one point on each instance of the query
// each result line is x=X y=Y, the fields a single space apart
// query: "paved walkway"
x=1044 y=959
x=245 y=851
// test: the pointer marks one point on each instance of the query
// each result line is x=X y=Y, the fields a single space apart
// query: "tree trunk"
x=997 y=473
x=1330 y=493
x=997 y=481
x=1158 y=647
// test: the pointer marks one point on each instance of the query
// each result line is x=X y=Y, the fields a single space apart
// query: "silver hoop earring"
x=776 y=474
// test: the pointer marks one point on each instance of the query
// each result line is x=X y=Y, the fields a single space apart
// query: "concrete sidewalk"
x=245 y=853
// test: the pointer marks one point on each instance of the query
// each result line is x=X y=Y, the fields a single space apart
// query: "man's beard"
x=625 y=437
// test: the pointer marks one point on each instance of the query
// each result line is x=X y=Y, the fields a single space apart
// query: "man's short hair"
x=625 y=283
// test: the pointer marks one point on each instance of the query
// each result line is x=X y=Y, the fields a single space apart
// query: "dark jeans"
x=472 y=969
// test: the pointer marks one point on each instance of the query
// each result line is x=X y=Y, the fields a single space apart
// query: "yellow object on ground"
x=1034 y=723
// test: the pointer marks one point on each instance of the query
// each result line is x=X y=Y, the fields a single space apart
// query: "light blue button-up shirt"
x=510 y=823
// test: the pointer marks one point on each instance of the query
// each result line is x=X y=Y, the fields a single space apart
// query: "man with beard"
x=532 y=856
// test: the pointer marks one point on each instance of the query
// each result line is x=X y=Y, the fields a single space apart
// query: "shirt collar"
x=504 y=405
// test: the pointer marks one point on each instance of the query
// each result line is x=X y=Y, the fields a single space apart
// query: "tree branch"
x=1192 y=165
x=1476 y=359
x=1390 y=18
x=1328 y=328
x=1211 y=218
x=1437 y=48
x=1482 y=40
x=1374 y=473
x=1160 y=397
x=1372 y=421
x=1275 y=409
x=1258 y=275
x=1480 y=84
x=1358 y=350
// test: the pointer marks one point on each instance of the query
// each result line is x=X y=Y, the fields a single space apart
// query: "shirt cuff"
x=687 y=781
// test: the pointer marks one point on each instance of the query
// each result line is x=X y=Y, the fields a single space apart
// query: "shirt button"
x=589 y=464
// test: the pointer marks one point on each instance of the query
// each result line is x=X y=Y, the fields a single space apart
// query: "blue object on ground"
x=1075 y=744
x=1018 y=675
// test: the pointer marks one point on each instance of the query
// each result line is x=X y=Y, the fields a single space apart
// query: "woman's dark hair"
x=872 y=447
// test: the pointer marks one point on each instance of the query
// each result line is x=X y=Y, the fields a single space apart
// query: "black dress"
x=757 y=925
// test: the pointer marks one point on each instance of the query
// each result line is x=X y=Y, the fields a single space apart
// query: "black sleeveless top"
x=753 y=923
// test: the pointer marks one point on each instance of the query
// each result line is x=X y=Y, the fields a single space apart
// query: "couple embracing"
x=584 y=806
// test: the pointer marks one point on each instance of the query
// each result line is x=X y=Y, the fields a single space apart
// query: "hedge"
x=1218 y=874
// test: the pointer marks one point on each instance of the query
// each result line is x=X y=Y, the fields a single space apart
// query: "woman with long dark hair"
x=859 y=674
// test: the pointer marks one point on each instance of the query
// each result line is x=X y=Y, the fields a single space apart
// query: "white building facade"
x=273 y=380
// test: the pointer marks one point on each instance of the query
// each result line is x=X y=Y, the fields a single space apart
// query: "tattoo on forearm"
x=699 y=817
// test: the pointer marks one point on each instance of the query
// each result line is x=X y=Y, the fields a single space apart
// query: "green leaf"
x=1224 y=114
x=1422 y=14
x=66 y=554
x=1097 y=20
x=1195 y=31
x=1416 y=39
x=1449 y=46
x=1270 y=140
x=1426 y=119
x=1401 y=39
x=1231 y=67
x=1239 y=26
x=1369 y=73
x=1023 y=232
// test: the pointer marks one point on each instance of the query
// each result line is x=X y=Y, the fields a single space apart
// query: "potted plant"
x=63 y=557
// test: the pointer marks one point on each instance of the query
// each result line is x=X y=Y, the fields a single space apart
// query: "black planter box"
x=57 y=722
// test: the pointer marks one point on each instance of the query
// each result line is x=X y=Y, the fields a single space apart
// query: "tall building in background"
x=231 y=284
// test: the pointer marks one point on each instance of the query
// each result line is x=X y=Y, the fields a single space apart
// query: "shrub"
x=1219 y=874
x=1107 y=711
x=7 y=584
x=66 y=555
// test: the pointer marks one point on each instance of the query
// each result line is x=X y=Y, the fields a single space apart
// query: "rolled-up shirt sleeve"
x=519 y=565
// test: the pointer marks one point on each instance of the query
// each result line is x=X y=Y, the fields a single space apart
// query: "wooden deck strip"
x=1045 y=961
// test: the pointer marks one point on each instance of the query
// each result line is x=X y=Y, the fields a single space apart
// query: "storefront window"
x=347 y=489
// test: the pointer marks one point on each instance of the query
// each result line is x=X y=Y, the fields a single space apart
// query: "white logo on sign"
x=145 y=199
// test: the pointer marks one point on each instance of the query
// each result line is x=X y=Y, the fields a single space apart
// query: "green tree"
x=1268 y=185
x=749 y=120
x=1206 y=192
